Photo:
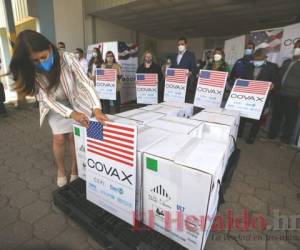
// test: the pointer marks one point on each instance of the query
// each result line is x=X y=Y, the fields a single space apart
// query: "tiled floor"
x=29 y=220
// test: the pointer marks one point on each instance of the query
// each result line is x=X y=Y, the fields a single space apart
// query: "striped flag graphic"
x=106 y=75
x=176 y=75
x=251 y=87
x=146 y=79
x=212 y=78
x=114 y=141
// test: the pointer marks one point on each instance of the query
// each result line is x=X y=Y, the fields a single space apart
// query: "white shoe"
x=73 y=177
x=62 y=181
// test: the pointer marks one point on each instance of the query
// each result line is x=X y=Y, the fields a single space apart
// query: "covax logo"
x=247 y=97
x=210 y=91
x=110 y=171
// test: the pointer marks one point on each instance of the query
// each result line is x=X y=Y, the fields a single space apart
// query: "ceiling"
x=168 y=19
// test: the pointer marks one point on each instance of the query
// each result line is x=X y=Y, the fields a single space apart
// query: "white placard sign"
x=146 y=88
x=106 y=83
x=234 y=49
x=175 y=85
x=291 y=34
x=210 y=88
x=248 y=97
x=111 y=168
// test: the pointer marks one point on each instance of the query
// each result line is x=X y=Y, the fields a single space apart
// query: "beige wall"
x=107 y=32
x=68 y=21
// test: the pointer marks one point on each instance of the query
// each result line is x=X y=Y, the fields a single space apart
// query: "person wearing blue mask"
x=65 y=94
x=261 y=70
x=239 y=66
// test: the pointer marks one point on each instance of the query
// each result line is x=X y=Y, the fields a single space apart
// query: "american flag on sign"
x=113 y=141
x=146 y=79
x=267 y=39
x=212 y=78
x=106 y=74
x=176 y=75
x=251 y=86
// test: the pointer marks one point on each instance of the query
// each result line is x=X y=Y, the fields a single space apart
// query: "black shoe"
x=250 y=140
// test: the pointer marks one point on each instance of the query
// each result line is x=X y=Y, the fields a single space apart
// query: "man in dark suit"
x=261 y=70
x=185 y=59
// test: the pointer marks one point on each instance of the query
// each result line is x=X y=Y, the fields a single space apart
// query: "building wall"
x=69 y=23
x=46 y=18
x=107 y=32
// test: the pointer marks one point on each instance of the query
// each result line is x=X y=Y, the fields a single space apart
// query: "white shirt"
x=179 y=56
x=84 y=64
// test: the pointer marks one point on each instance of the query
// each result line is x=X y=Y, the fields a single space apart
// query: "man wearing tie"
x=185 y=59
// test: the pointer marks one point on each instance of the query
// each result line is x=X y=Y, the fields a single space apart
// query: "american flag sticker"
x=251 y=87
x=212 y=78
x=114 y=141
x=146 y=79
x=176 y=75
x=106 y=75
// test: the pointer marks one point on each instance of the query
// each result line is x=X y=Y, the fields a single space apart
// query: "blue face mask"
x=248 y=52
x=258 y=63
x=47 y=64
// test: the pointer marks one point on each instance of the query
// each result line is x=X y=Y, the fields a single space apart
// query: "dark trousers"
x=285 y=108
x=190 y=90
x=255 y=125
x=116 y=104
x=2 y=99
x=161 y=90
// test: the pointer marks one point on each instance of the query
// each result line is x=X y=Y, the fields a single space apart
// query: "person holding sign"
x=239 y=66
x=261 y=70
x=64 y=92
x=185 y=59
x=95 y=63
x=150 y=66
x=218 y=63
x=111 y=63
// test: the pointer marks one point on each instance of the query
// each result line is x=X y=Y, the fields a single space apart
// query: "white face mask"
x=217 y=57
x=77 y=55
x=181 y=48
x=296 y=51
x=94 y=54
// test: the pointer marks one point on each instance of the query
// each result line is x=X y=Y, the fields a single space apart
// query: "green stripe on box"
x=151 y=164
x=77 y=131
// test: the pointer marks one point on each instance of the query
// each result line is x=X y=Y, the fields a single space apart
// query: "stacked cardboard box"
x=181 y=184
x=180 y=165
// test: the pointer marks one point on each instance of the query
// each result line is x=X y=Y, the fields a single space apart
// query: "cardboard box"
x=226 y=112
x=180 y=181
x=176 y=125
x=218 y=133
x=146 y=138
x=167 y=110
x=141 y=116
x=219 y=118
x=111 y=170
x=186 y=108
x=79 y=138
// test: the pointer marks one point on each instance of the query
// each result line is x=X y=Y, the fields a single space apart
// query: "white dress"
x=58 y=123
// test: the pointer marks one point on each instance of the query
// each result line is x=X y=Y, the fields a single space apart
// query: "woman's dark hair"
x=221 y=51
x=22 y=66
x=98 y=60
x=110 y=53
